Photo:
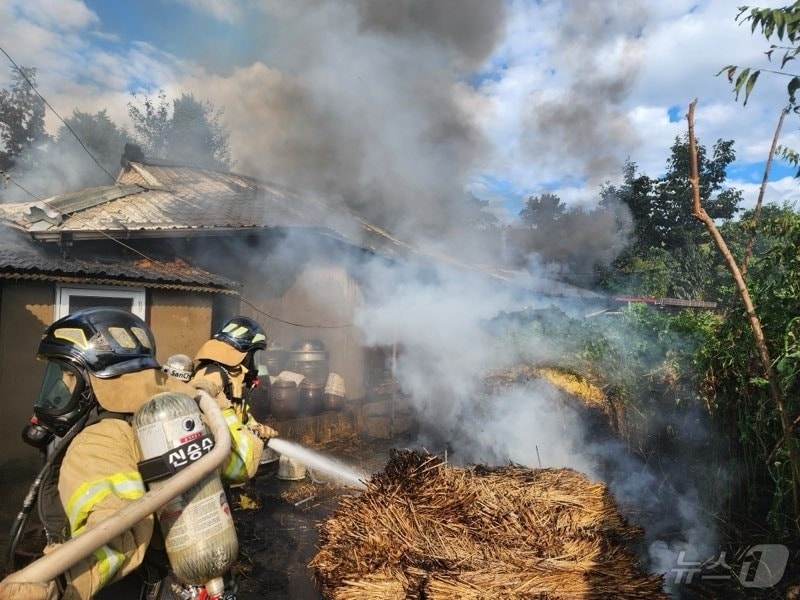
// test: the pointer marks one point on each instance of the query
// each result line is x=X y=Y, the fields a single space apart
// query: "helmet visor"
x=62 y=386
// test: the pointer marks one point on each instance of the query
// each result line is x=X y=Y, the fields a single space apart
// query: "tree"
x=190 y=132
x=98 y=135
x=572 y=242
x=541 y=211
x=668 y=240
x=22 y=113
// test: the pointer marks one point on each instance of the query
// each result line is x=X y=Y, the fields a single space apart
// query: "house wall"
x=180 y=321
x=319 y=303
x=25 y=311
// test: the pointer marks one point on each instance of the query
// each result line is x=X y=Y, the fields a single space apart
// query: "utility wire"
x=293 y=324
x=47 y=104
x=9 y=178
x=274 y=318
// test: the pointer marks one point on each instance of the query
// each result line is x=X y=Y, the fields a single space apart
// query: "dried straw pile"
x=424 y=529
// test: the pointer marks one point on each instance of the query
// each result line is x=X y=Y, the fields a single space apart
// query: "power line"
x=9 y=178
x=47 y=104
x=289 y=322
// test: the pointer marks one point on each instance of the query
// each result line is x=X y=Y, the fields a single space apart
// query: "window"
x=70 y=299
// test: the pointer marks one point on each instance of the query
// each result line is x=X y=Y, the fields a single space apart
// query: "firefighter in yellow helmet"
x=101 y=369
x=227 y=360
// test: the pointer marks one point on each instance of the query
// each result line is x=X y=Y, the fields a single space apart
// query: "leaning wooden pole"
x=777 y=397
x=748 y=249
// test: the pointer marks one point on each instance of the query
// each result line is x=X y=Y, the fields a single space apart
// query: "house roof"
x=154 y=198
x=23 y=259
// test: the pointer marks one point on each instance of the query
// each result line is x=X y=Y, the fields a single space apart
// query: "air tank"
x=198 y=528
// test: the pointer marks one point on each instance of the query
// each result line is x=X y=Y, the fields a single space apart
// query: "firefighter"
x=227 y=360
x=179 y=366
x=101 y=369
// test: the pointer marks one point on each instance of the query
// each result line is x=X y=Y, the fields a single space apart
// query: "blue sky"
x=413 y=102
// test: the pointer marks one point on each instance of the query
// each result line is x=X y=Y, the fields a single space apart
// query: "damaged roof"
x=23 y=259
x=155 y=199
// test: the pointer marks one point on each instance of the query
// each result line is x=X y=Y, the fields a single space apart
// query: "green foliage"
x=668 y=372
x=186 y=130
x=99 y=135
x=542 y=211
x=22 y=114
x=734 y=379
x=671 y=255
x=573 y=242
x=649 y=362
x=781 y=24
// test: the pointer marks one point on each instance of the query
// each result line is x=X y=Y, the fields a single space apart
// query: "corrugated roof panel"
x=89 y=197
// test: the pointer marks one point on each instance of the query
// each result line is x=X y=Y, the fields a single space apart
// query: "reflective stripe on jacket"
x=246 y=447
x=99 y=477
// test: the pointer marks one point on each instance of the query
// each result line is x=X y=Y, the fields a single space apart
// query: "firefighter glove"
x=263 y=431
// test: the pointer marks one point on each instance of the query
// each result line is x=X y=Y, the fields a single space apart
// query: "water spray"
x=314 y=460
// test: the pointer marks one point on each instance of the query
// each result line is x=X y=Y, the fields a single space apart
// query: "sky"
x=410 y=103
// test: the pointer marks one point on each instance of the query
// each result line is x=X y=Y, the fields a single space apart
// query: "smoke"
x=368 y=101
x=580 y=115
x=388 y=106
x=63 y=167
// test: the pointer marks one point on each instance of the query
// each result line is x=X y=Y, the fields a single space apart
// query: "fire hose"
x=51 y=565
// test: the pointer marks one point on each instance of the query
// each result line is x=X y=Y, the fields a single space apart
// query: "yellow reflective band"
x=128 y=486
x=231 y=418
x=141 y=335
x=72 y=334
x=122 y=336
x=108 y=563
x=235 y=469
x=235 y=330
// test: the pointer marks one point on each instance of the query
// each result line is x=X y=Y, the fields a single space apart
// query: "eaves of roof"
x=92 y=280
x=22 y=259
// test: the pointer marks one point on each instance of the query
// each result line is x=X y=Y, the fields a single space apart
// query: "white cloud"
x=224 y=10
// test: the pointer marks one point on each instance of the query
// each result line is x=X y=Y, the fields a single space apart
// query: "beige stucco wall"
x=25 y=311
x=180 y=321
x=318 y=303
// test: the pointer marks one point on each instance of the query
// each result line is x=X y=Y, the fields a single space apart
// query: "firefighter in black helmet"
x=228 y=360
x=101 y=369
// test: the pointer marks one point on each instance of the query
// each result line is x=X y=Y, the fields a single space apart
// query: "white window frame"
x=65 y=292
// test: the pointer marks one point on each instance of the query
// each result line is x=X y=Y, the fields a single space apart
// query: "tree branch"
x=699 y=213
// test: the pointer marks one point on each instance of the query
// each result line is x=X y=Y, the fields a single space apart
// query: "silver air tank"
x=198 y=528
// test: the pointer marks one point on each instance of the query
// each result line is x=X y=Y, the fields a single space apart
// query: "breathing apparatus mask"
x=251 y=376
x=103 y=341
x=64 y=397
